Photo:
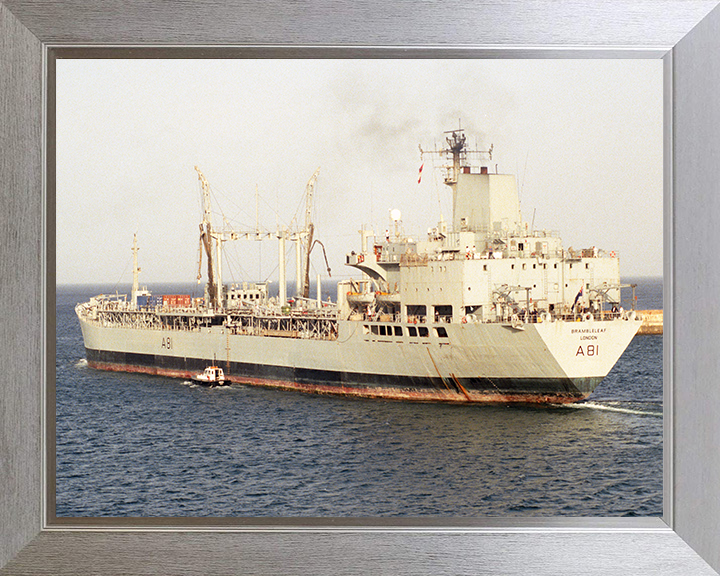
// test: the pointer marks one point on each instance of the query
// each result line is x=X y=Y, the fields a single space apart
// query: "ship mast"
x=456 y=147
x=282 y=282
x=455 y=152
x=136 y=272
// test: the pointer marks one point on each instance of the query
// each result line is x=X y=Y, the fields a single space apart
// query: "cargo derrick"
x=238 y=309
x=308 y=232
x=206 y=239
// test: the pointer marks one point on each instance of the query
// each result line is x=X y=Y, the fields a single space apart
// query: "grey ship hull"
x=554 y=362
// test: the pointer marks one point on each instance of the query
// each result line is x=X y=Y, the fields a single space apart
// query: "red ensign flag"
x=420 y=172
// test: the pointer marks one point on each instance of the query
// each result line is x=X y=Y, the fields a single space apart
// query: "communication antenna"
x=455 y=152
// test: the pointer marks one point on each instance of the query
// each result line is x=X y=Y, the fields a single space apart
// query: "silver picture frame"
x=686 y=540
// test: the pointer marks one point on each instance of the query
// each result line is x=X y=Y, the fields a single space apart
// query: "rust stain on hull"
x=398 y=394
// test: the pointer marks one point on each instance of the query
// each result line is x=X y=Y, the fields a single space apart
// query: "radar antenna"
x=456 y=152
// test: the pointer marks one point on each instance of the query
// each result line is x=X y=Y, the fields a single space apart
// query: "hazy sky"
x=583 y=137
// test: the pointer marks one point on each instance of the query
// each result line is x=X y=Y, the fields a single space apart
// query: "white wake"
x=595 y=406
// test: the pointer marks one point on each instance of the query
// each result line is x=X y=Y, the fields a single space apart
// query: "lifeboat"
x=388 y=297
x=356 y=298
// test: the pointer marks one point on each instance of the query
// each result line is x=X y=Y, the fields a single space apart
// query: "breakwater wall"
x=652 y=321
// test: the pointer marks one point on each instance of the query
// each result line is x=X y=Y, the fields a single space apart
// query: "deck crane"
x=214 y=237
x=206 y=239
x=211 y=240
x=308 y=235
x=308 y=232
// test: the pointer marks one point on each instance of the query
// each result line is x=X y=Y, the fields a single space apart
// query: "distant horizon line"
x=325 y=280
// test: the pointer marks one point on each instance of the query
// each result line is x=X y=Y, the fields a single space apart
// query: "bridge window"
x=443 y=313
x=398 y=331
x=423 y=331
x=412 y=331
x=416 y=312
x=441 y=332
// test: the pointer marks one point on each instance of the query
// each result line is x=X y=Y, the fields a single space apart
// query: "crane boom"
x=206 y=237
x=309 y=191
x=308 y=232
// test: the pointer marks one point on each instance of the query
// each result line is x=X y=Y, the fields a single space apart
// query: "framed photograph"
x=438 y=302
x=38 y=539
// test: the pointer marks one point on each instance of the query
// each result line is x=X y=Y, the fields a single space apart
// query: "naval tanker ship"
x=483 y=309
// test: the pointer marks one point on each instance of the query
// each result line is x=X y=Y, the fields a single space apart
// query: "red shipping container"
x=177 y=300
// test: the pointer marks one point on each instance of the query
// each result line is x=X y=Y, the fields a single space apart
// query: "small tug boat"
x=212 y=376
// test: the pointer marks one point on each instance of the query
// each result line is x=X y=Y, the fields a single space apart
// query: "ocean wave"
x=609 y=408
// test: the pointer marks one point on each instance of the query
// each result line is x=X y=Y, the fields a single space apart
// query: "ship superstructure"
x=487 y=265
x=483 y=309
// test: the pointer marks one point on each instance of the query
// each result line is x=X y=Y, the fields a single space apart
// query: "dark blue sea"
x=138 y=445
